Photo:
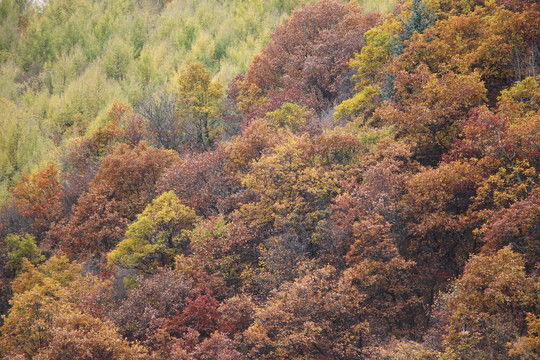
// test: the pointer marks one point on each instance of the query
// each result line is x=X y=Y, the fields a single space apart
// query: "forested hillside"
x=280 y=179
x=63 y=64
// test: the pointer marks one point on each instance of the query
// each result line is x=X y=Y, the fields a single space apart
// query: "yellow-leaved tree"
x=198 y=105
x=157 y=236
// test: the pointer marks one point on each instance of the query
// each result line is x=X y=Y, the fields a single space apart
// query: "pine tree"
x=422 y=17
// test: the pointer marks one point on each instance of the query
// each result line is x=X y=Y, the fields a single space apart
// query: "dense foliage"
x=366 y=186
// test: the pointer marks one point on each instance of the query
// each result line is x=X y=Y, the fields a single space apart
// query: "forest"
x=269 y=179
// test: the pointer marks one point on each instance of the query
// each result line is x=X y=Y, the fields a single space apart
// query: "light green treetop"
x=157 y=236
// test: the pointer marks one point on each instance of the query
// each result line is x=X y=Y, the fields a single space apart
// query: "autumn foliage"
x=39 y=197
x=368 y=189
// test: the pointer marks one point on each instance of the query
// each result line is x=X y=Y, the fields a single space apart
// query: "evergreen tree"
x=420 y=19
